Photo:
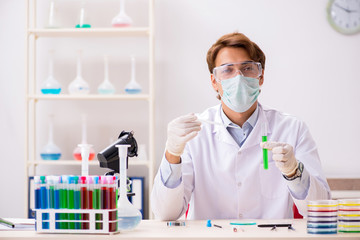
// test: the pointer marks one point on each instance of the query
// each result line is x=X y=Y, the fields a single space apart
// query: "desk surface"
x=153 y=229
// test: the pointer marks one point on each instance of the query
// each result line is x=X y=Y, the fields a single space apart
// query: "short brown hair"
x=236 y=40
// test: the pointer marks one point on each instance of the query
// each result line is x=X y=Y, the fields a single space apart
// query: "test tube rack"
x=47 y=221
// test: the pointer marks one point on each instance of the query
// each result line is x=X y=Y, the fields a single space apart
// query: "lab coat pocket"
x=271 y=183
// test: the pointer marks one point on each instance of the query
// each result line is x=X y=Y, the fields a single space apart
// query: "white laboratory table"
x=153 y=229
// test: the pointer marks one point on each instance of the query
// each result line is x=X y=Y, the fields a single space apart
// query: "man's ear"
x=214 y=83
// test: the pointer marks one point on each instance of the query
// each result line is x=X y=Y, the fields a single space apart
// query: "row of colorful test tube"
x=76 y=192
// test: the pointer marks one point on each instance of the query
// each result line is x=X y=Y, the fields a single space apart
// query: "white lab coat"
x=221 y=180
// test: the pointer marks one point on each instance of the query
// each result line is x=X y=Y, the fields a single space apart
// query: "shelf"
x=90 y=32
x=78 y=163
x=89 y=97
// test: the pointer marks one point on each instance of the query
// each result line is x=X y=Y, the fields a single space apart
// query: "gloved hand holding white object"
x=180 y=131
x=283 y=155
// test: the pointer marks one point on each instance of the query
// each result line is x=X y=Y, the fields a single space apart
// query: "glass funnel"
x=128 y=216
x=50 y=151
x=133 y=87
x=106 y=86
x=79 y=85
x=83 y=21
x=77 y=150
x=51 y=85
x=122 y=19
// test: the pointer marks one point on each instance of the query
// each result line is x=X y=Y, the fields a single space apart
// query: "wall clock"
x=344 y=15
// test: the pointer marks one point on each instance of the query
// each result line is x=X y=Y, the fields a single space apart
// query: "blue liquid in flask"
x=50 y=156
x=132 y=91
x=51 y=90
x=106 y=91
x=128 y=222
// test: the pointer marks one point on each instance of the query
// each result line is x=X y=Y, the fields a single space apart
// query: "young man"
x=218 y=170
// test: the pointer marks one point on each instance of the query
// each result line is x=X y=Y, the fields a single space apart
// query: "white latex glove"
x=180 y=131
x=283 y=155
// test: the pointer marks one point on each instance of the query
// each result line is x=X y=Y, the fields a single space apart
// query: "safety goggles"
x=230 y=70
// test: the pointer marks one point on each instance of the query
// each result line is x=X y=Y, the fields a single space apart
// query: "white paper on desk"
x=24 y=224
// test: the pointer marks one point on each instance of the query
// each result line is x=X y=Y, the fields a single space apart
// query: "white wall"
x=311 y=71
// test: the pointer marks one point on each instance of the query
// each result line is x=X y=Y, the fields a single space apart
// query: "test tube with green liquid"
x=264 y=139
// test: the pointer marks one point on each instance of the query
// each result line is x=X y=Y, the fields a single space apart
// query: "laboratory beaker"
x=133 y=87
x=106 y=86
x=79 y=85
x=83 y=21
x=128 y=216
x=50 y=151
x=77 y=150
x=122 y=19
x=51 y=85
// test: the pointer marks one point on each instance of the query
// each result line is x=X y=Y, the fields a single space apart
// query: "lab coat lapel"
x=221 y=133
x=255 y=135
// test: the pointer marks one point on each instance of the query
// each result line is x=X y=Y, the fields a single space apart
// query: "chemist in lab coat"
x=217 y=171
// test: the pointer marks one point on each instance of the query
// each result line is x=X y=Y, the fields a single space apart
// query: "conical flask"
x=77 y=150
x=122 y=19
x=79 y=85
x=83 y=21
x=106 y=86
x=50 y=151
x=51 y=85
x=133 y=87
x=128 y=216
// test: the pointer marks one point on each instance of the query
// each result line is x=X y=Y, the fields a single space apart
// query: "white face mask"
x=240 y=93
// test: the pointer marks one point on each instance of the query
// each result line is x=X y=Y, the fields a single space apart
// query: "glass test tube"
x=84 y=202
x=64 y=201
x=57 y=186
x=265 y=151
x=44 y=199
x=97 y=201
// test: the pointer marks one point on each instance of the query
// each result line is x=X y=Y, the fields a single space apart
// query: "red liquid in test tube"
x=84 y=201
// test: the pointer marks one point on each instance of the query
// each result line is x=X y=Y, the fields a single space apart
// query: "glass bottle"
x=53 y=20
x=51 y=85
x=128 y=216
x=77 y=150
x=79 y=85
x=133 y=87
x=83 y=21
x=121 y=19
x=50 y=151
x=106 y=86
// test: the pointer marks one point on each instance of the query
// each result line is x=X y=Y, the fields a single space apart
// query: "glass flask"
x=52 y=21
x=128 y=216
x=50 y=151
x=79 y=85
x=77 y=150
x=83 y=21
x=106 y=86
x=133 y=87
x=122 y=19
x=51 y=85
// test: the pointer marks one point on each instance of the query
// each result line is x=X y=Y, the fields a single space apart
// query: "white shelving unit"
x=32 y=158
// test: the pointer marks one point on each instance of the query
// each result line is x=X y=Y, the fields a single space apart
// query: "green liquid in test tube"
x=264 y=139
x=71 y=201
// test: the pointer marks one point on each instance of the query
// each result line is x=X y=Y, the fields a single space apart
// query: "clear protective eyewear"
x=230 y=70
